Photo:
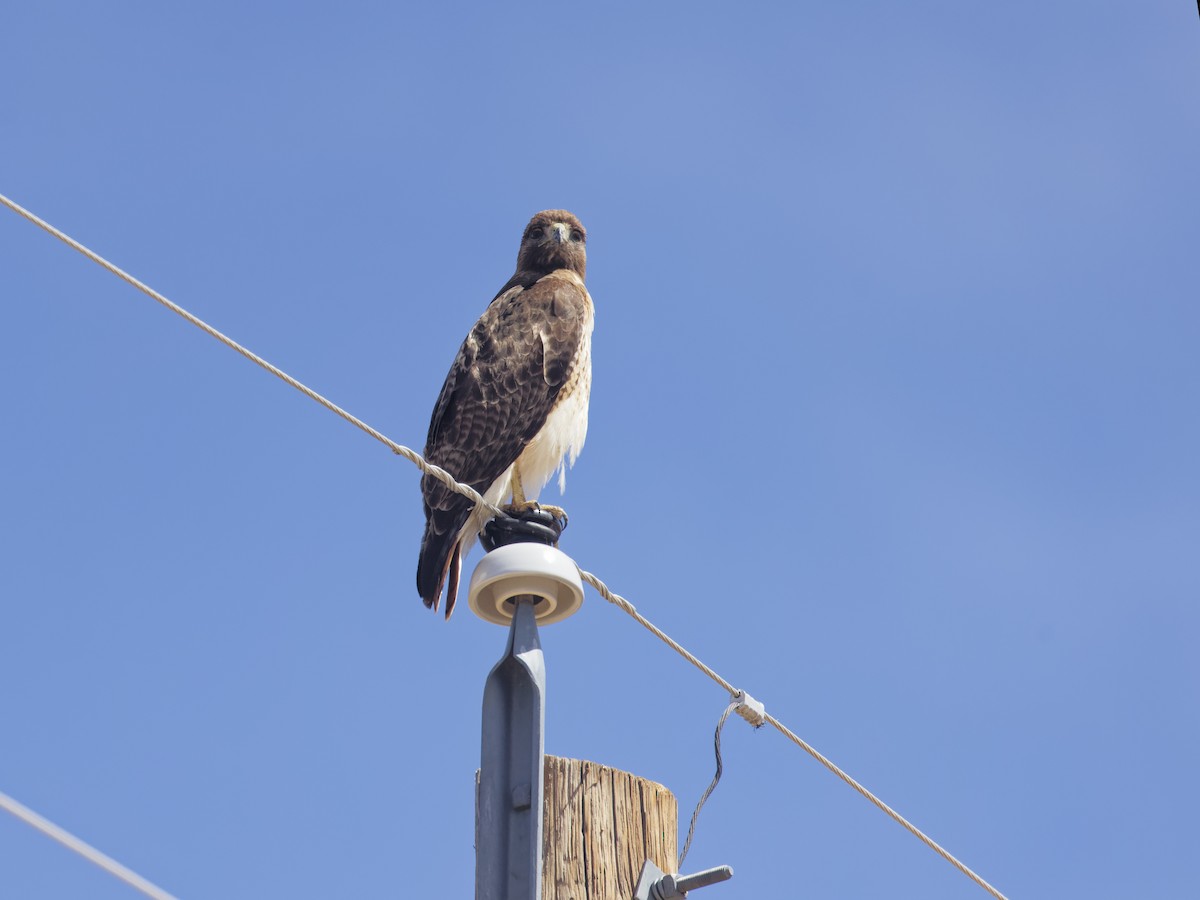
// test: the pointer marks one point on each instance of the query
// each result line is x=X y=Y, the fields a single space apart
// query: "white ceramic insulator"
x=520 y=570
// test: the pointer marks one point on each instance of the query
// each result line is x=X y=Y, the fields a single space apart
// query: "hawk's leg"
x=518 y=491
x=520 y=504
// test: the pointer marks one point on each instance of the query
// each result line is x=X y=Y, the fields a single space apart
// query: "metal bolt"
x=703 y=879
x=654 y=884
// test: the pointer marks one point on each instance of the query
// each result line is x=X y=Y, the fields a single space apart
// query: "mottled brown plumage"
x=515 y=397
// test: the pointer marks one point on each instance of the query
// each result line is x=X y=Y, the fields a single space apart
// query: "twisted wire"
x=399 y=449
x=84 y=849
x=899 y=819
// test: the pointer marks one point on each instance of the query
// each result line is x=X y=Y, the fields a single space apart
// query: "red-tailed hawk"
x=514 y=407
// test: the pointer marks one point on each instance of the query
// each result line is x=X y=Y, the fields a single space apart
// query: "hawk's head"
x=553 y=239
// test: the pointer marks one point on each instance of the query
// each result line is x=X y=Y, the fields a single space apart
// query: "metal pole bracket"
x=508 y=822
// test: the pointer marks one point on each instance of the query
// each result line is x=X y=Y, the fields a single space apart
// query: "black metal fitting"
x=533 y=526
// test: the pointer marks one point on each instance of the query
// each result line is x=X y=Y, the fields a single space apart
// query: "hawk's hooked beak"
x=559 y=232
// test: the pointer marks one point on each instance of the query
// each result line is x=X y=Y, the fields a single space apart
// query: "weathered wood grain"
x=600 y=825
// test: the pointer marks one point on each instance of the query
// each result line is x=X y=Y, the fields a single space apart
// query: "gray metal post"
x=508 y=818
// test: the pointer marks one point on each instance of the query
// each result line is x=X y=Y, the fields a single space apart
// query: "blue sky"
x=894 y=423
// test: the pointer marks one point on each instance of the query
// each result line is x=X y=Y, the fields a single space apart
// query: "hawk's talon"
x=557 y=511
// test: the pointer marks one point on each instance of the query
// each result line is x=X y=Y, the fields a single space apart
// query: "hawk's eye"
x=536 y=233
x=576 y=235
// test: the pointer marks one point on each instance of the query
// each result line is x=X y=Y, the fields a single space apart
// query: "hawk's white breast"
x=558 y=443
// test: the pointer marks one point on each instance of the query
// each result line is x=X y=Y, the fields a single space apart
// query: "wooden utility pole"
x=599 y=826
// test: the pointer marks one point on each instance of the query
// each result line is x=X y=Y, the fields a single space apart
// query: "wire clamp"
x=750 y=709
x=655 y=884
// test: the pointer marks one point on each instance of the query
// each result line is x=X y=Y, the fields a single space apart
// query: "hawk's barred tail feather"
x=439 y=565
x=433 y=565
x=455 y=573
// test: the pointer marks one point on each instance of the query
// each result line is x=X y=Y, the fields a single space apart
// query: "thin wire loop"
x=470 y=493
x=687 y=845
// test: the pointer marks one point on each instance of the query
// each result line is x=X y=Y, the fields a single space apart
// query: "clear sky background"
x=894 y=423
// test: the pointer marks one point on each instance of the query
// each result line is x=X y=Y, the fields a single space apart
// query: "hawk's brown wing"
x=504 y=382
